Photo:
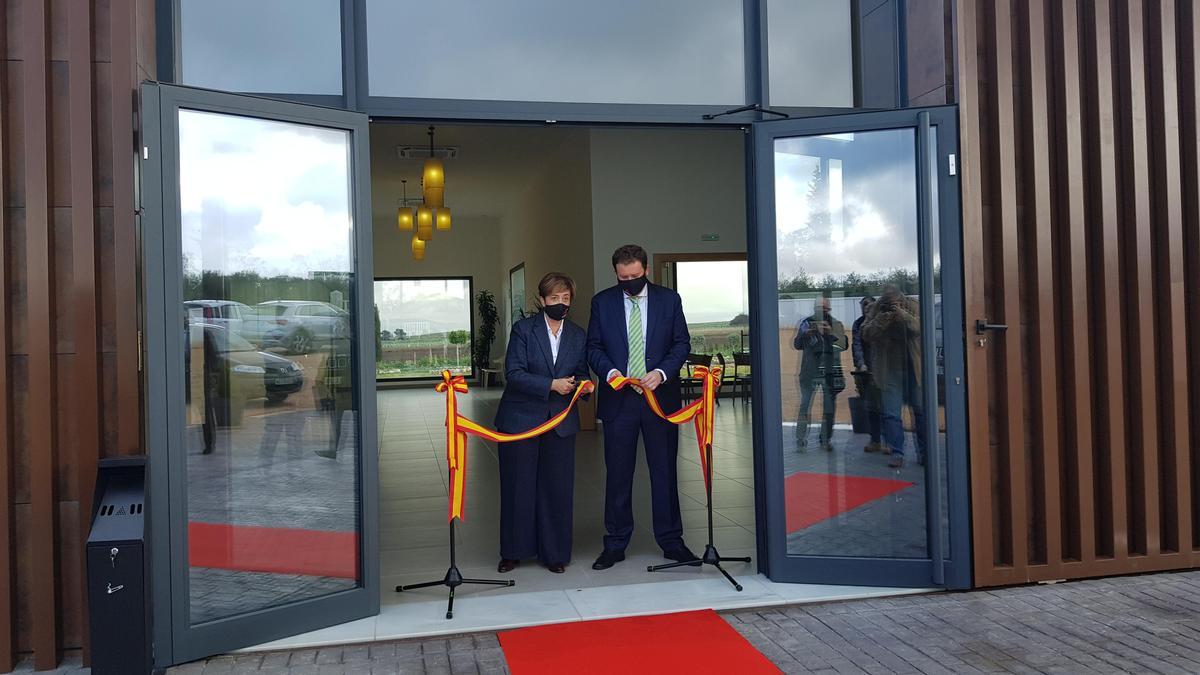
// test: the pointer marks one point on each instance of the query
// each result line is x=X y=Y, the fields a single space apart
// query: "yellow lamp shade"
x=443 y=218
x=434 y=196
x=404 y=218
x=434 y=175
x=433 y=182
x=419 y=255
x=418 y=248
x=424 y=223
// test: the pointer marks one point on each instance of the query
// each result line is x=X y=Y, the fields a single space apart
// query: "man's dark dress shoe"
x=557 y=568
x=507 y=565
x=682 y=554
x=607 y=559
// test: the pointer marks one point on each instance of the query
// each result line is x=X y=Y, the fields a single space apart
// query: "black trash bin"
x=117 y=571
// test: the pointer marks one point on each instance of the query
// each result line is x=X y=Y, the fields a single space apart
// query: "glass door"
x=259 y=367
x=859 y=349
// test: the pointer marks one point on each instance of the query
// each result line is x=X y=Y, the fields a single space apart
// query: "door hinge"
x=953 y=165
x=139 y=348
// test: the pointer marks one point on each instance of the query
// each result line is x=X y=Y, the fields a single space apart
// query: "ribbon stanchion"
x=458 y=427
x=702 y=413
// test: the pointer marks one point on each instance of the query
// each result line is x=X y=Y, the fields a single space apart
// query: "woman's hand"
x=563 y=385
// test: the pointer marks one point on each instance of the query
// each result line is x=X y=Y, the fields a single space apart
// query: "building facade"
x=1076 y=169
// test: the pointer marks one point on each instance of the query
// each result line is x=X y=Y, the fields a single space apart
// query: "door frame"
x=938 y=186
x=176 y=640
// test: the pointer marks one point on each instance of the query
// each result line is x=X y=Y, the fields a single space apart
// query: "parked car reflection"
x=295 y=325
x=235 y=371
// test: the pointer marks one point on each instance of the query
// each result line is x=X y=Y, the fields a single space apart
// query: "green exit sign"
x=710 y=237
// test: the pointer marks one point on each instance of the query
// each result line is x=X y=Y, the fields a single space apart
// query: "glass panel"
x=425 y=328
x=850 y=344
x=716 y=302
x=271 y=420
x=619 y=51
x=516 y=293
x=263 y=46
x=810 y=53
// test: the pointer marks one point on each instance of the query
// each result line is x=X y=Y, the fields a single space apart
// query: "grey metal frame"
x=176 y=640
x=943 y=568
x=355 y=94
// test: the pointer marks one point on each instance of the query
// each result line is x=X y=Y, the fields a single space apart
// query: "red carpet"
x=273 y=549
x=687 y=642
x=813 y=497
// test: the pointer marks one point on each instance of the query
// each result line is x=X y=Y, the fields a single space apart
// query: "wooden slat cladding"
x=1081 y=174
x=68 y=274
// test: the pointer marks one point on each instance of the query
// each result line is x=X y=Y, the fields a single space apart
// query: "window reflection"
x=267 y=320
x=850 y=344
x=263 y=46
x=619 y=51
x=810 y=53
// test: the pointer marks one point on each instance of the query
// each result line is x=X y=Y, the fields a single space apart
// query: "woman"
x=893 y=328
x=546 y=359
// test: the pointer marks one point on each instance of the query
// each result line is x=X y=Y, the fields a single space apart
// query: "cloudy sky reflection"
x=871 y=225
x=263 y=196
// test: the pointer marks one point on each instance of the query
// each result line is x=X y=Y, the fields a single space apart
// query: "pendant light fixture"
x=443 y=218
x=433 y=178
x=418 y=248
x=404 y=213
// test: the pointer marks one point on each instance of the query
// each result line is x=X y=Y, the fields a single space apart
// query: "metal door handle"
x=982 y=326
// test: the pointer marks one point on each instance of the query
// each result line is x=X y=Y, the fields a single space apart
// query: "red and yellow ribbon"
x=701 y=411
x=458 y=427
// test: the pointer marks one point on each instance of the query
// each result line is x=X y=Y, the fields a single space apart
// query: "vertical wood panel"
x=1108 y=360
x=1008 y=349
x=1040 y=225
x=1189 y=99
x=971 y=144
x=86 y=373
x=1170 y=326
x=124 y=89
x=7 y=556
x=1075 y=346
x=40 y=405
x=1137 y=272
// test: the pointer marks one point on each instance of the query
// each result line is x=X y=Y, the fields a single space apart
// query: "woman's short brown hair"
x=556 y=282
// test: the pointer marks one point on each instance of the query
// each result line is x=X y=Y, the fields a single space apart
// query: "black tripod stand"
x=711 y=556
x=454 y=579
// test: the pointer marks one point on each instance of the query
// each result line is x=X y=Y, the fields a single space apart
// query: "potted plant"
x=489 y=318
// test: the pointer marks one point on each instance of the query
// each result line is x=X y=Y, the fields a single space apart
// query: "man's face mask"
x=633 y=286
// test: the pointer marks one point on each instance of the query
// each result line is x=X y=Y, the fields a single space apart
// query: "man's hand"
x=563 y=385
x=652 y=380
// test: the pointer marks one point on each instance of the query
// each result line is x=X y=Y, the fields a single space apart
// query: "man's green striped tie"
x=637 y=344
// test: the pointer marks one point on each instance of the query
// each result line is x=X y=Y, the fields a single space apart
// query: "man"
x=637 y=329
x=822 y=339
x=893 y=329
x=864 y=380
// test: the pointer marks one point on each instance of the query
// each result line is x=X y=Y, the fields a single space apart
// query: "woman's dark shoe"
x=896 y=462
x=506 y=565
x=557 y=568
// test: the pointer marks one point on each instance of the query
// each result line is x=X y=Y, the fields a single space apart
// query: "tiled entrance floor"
x=414 y=534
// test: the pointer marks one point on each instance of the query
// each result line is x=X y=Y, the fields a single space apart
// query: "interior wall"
x=665 y=189
x=551 y=229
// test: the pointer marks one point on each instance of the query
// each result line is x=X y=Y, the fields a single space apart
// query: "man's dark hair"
x=629 y=253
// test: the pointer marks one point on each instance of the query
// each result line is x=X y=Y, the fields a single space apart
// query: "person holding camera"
x=822 y=338
x=893 y=329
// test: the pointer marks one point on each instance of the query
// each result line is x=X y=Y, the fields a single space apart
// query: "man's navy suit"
x=625 y=413
x=537 y=476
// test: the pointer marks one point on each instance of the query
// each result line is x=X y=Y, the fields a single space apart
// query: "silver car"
x=295 y=325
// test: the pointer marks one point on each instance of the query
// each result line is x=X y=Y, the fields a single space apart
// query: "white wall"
x=663 y=189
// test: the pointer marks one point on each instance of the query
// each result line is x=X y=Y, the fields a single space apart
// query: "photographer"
x=893 y=329
x=822 y=338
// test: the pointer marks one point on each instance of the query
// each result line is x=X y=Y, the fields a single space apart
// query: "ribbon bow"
x=458 y=426
x=701 y=412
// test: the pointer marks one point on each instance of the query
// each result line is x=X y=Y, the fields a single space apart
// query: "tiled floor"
x=414 y=534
